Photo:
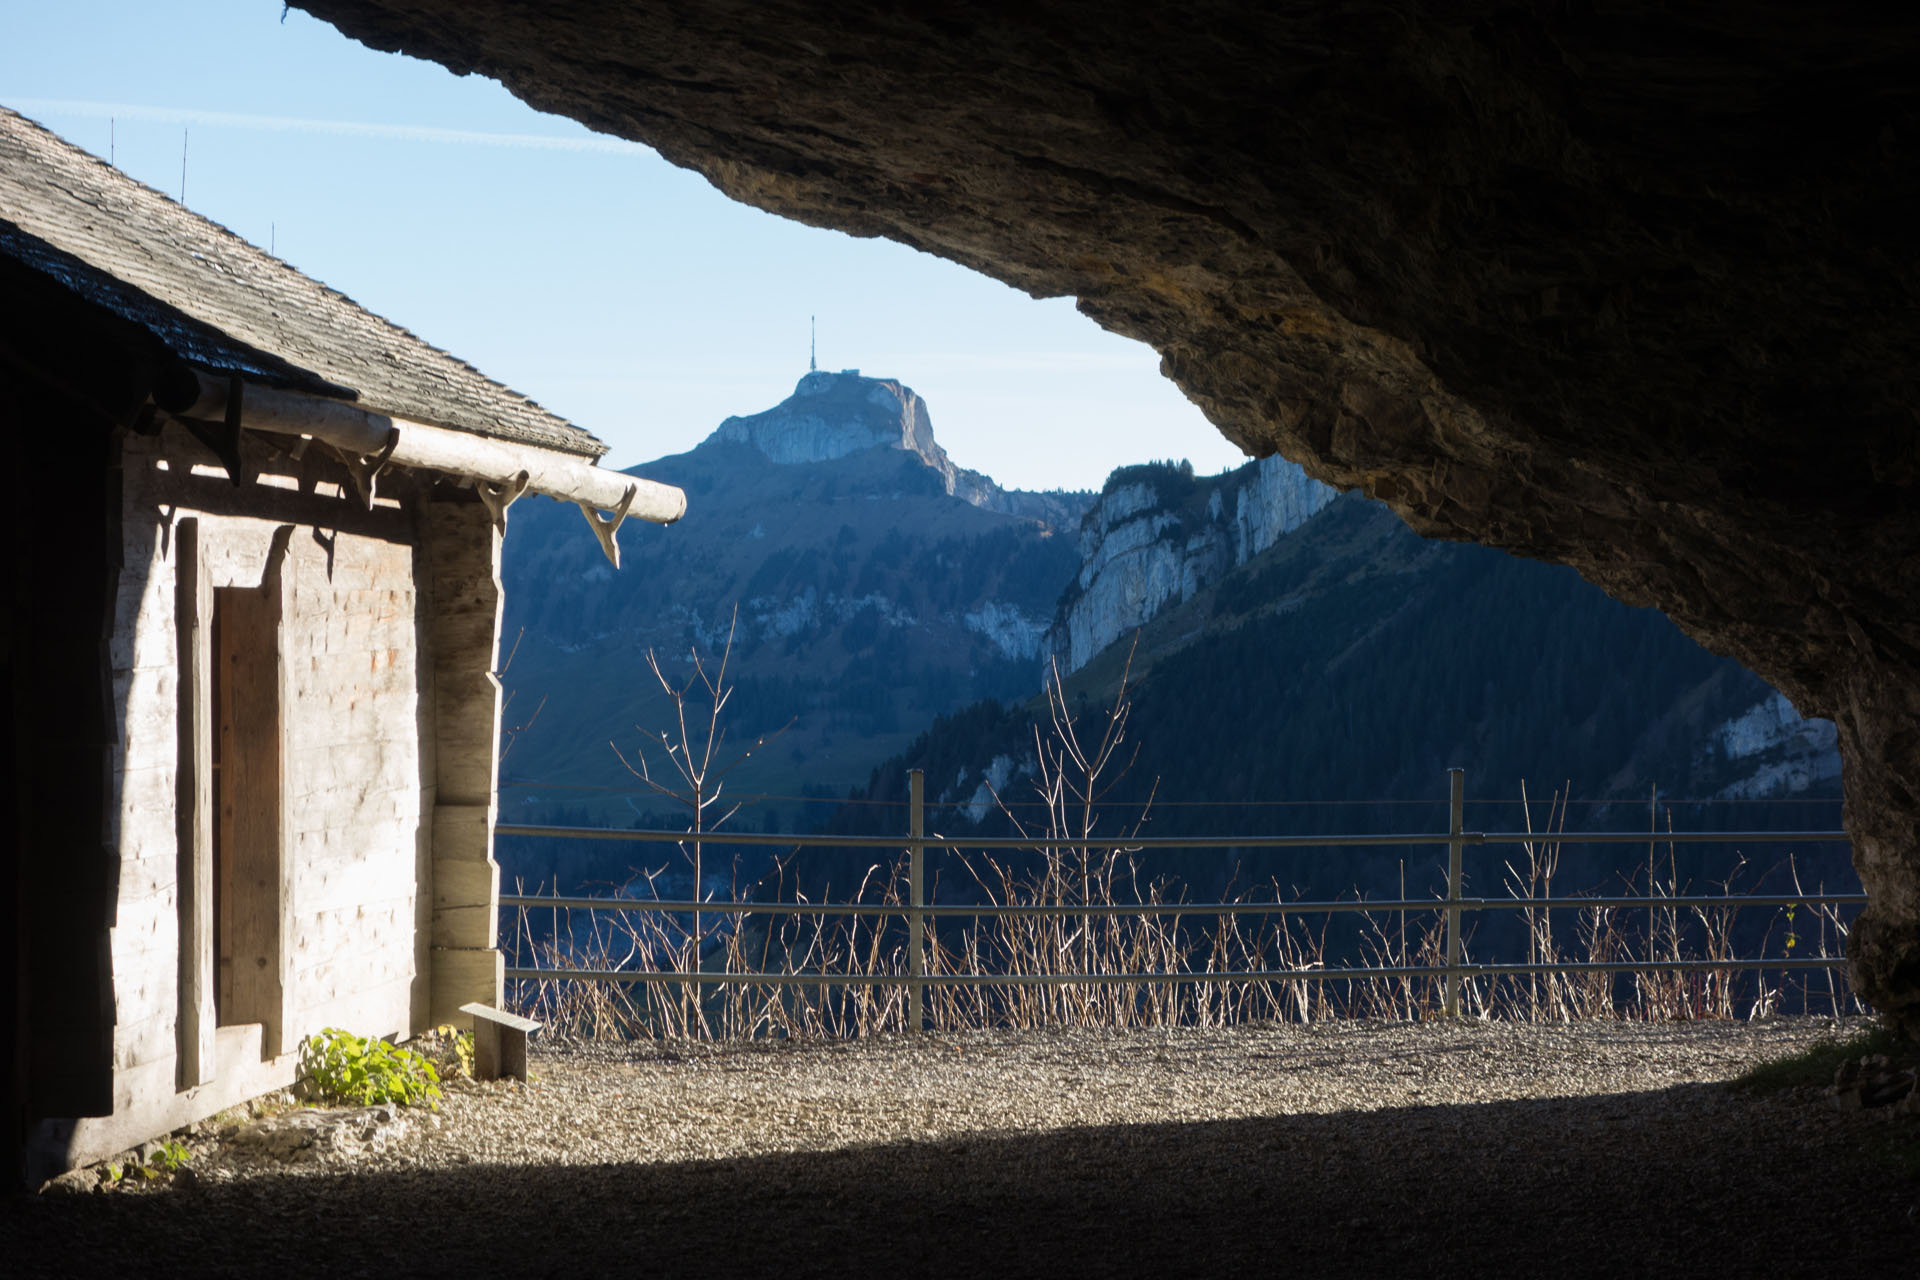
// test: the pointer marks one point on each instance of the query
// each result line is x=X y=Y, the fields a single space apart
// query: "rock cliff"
x=1156 y=536
x=1775 y=751
x=832 y=415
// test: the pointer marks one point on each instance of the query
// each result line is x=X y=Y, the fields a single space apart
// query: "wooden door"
x=248 y=869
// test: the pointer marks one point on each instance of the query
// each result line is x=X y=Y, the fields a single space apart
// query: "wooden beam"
x=359 y=433
x=463 y=601
x=196 y=1018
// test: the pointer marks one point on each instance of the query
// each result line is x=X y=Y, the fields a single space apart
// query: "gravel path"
x=1337 y=1149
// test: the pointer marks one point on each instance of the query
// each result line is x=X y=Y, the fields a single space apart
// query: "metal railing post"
x=1456 y=823
x=916 y=898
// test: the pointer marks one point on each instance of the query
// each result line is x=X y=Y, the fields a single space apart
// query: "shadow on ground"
x=1697 y=1180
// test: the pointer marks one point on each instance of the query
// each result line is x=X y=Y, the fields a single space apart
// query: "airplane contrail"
x=300 y=124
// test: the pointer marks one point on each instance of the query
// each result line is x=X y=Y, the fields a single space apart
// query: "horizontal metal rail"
x=723 y=908
x=1122 y=979
x=1145 y=843
x=916 y=911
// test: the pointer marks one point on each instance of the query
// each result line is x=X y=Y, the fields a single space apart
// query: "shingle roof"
x=223 y=305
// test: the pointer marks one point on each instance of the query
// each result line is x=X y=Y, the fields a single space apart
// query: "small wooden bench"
x=499 y=1042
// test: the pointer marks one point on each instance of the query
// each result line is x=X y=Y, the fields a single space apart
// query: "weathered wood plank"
x=143 y=835
x=464 y=926
x=462 y=606
x=146 y=924
x=197 y=1017
x=148 y=992
x=461 y=976
x=324 y=986
x=384 y=1010
x=146 y=700
x=463 y=832
x=461 y=882
x=348 y=884
x=380 y=926
x=248 y=845
x=465 y=767
x=150 y=877
x=147 y=792
x=146 y=1100
x=466 y=901
x=148 y=1038
x=466 y=698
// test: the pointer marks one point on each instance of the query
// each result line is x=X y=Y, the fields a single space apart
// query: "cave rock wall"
x=1628 y=287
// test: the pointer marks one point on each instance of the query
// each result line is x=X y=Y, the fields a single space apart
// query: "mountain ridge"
x=867 y=582
x=831 y=415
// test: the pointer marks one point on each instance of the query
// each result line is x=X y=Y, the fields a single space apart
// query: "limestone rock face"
x=1156 y=537
x=1626 y=287
x=1780 y=752
x=831 y=415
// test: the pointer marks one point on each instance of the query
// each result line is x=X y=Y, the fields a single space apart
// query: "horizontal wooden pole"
x=564 y=476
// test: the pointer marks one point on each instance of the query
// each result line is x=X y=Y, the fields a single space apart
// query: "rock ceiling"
x=1622 y=286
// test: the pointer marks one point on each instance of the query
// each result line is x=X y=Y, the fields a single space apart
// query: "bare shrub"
x=1100 y=942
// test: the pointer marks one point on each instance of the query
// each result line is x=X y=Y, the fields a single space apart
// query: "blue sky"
x=621 y=292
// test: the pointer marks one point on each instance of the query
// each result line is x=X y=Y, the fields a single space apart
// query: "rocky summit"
x=832 y=415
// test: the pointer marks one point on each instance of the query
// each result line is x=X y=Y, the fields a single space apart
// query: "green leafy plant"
x=455 y=1049
x=342 y=1067
x=168 y=1159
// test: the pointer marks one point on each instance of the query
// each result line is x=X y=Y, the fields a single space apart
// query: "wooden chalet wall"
x=279 y=641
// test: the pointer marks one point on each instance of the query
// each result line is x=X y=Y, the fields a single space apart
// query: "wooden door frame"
x=232 y=828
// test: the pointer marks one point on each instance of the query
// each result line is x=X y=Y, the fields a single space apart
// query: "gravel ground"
x=1340 y=1149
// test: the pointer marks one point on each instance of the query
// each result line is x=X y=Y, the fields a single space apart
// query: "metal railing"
x=916 y=910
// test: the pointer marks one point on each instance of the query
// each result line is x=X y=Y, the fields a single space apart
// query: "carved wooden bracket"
x=499 y=497
x=604 y=527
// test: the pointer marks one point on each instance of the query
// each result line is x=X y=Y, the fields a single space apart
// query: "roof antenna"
x=813 y=346
x=183 y=164
x=109 y=139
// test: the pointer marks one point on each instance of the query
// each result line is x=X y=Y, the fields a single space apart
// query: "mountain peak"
x=834 y=415
x=830 y=415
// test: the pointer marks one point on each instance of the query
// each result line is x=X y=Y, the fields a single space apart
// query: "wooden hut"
x=253 y=561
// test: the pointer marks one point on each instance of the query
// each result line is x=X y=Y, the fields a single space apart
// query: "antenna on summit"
x=813 y=347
